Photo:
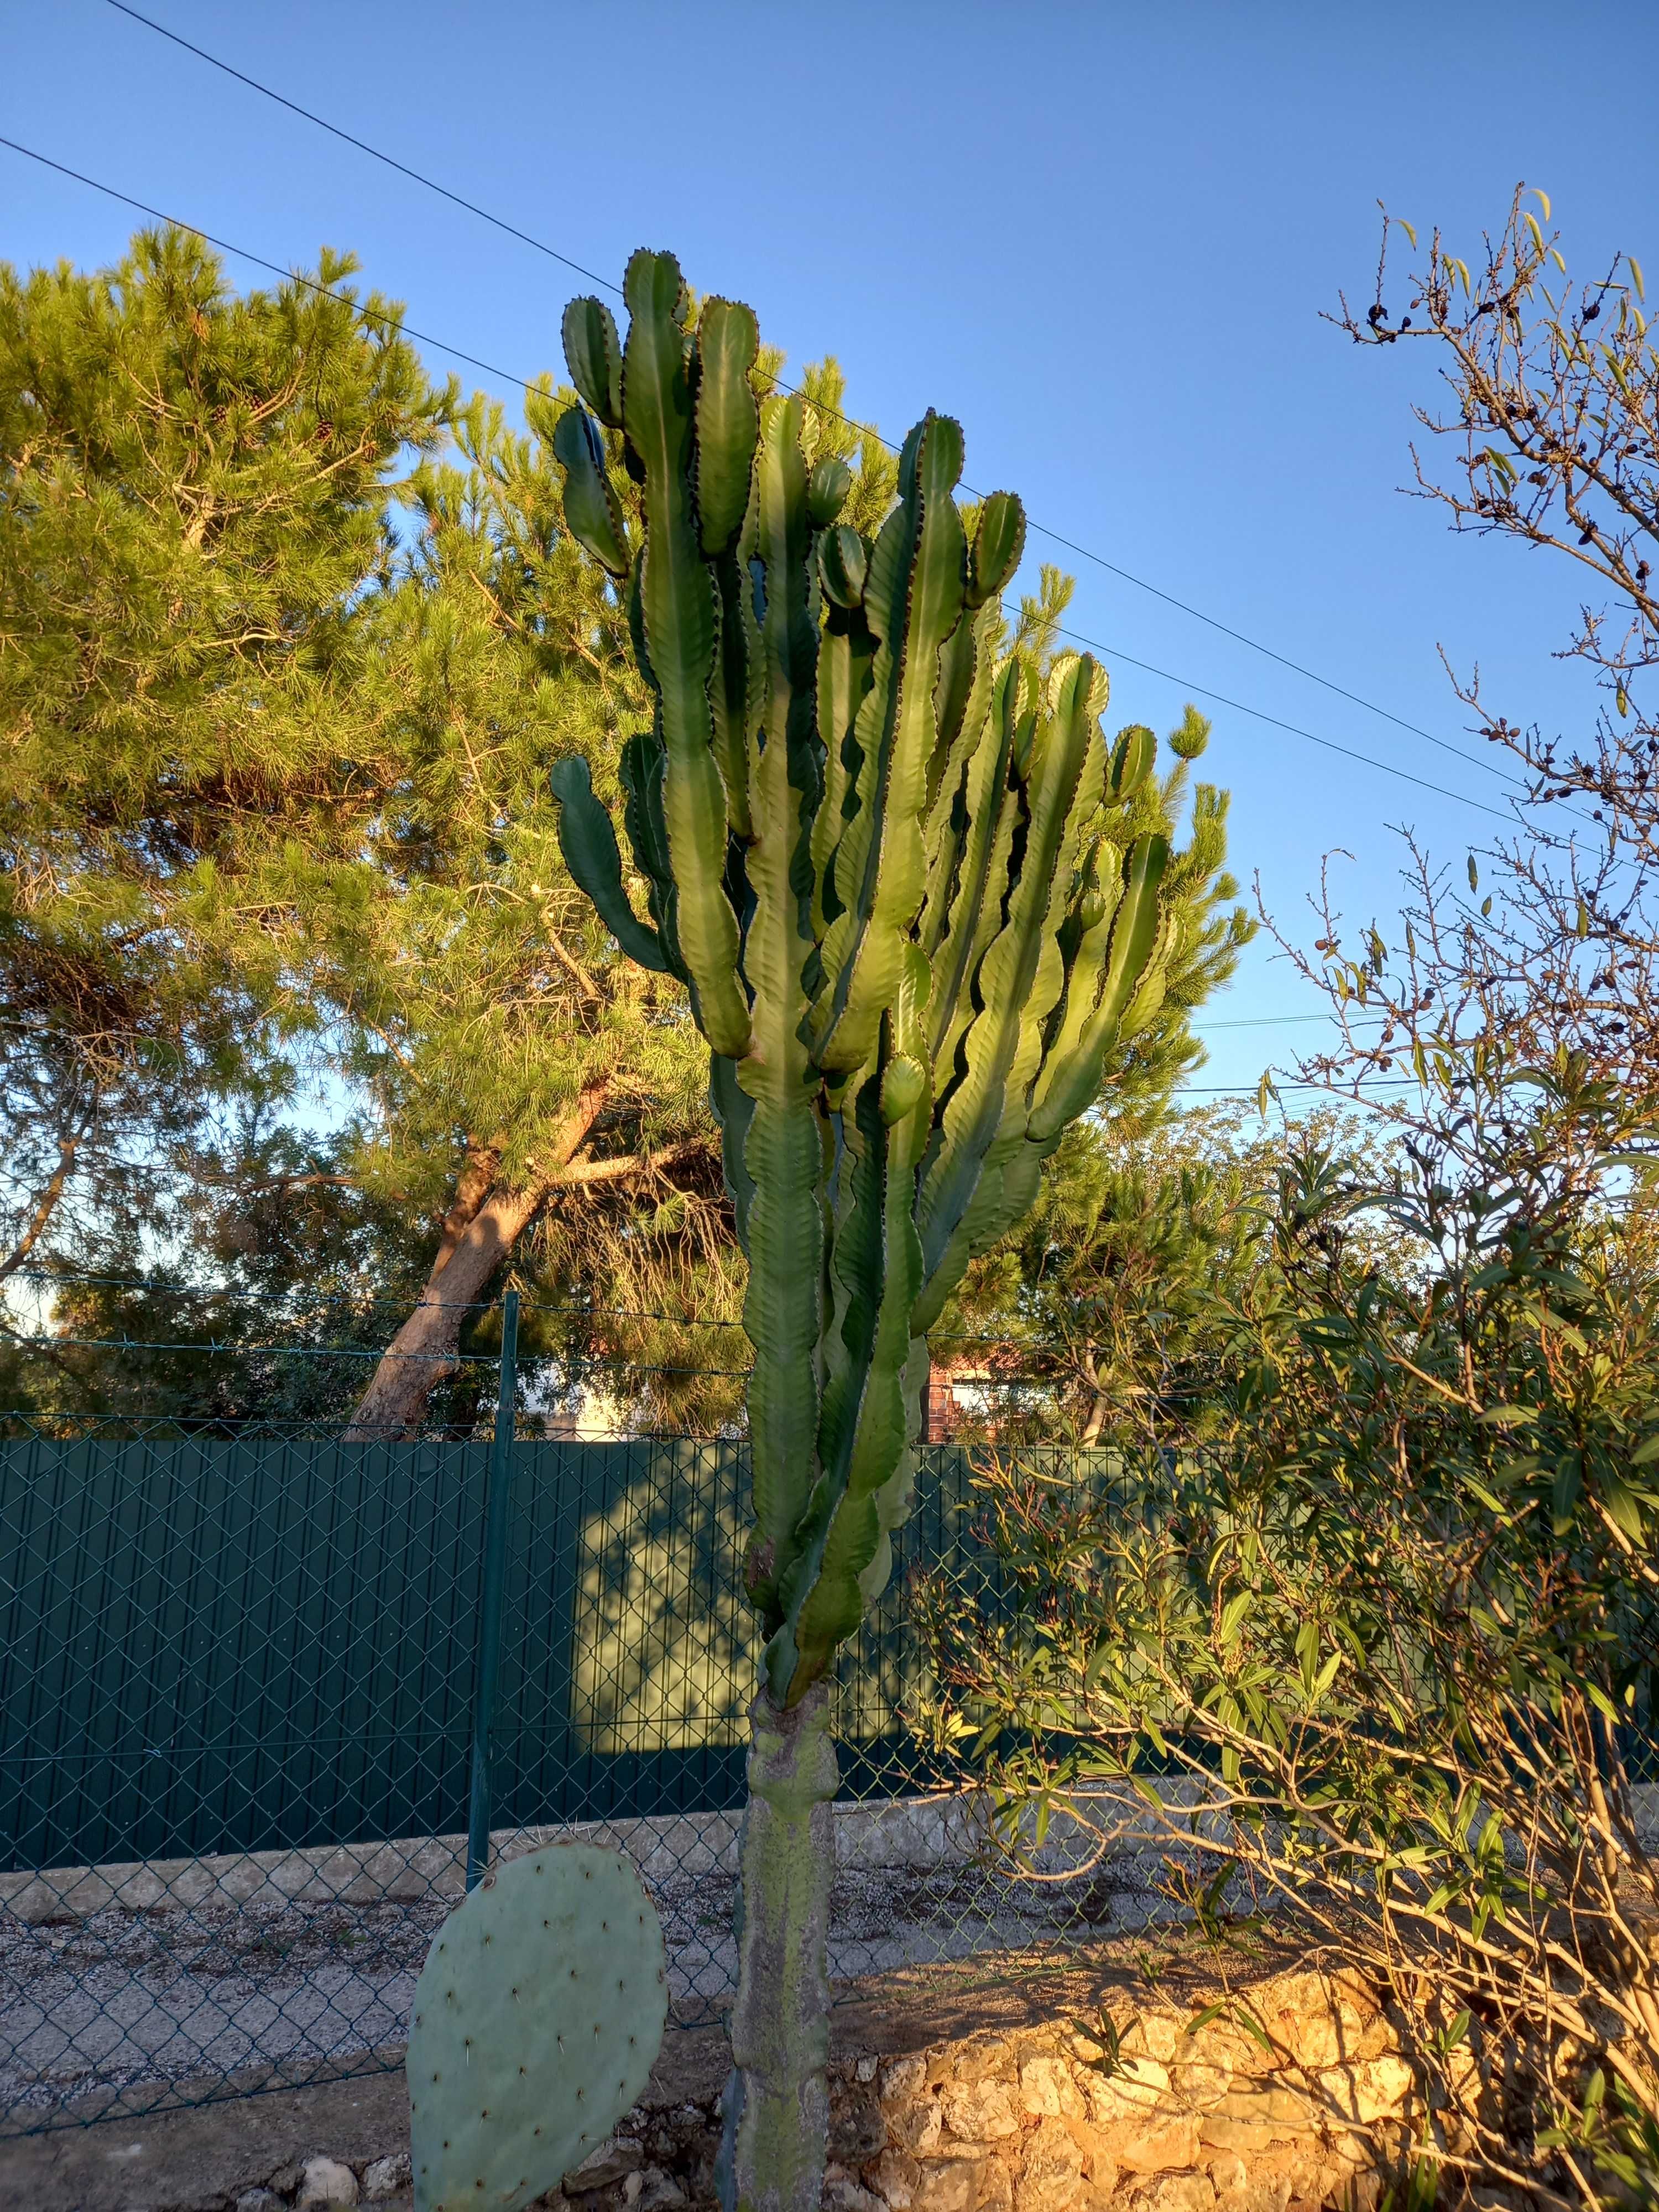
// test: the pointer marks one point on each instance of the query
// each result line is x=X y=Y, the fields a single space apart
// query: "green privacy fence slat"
x=215 y=1646
x=211 y=1646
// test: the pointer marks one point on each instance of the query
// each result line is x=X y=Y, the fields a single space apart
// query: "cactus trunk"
x=772 y=2152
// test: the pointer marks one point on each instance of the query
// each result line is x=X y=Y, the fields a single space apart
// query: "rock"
x=1297 y=2171
x=996 y=2188
x=916 y=2127
x=1177 y=2193
x=895 y=2177
x=1261 y=2105
x=948 y=2184
x=286 y=2179
x=842 y=2194
x=1161 y=2145
x=259 y=2200
x=384 y=2177
x=978 y=2111
x=1218 y=2132
x=1052 y=2179
x=658 y=2190
x=865 y=2070
x=1135 y=2085
x=1047 y=2088
x=1255 y=2195
x=857 y=2130
x=1201 y=2082
x=325 y=2183
x=1381 y=2088
x=902 y=2078
x=1159 y=2034
x=611 y=2162
x=1228 y=2173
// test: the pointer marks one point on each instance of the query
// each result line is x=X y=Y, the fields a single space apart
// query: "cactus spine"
x=898 y=881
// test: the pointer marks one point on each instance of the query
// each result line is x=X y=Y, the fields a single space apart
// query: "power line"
x=276 y=268
x=53 y=1275
x=1330 y=1090
x=286 y=1351
x=1295 y=729
x=540 y=245
x=363 y=147
x=566 y=1308
x=1266 y=1021
x=509 y=376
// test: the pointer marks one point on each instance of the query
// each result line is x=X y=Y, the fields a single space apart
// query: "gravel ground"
x=125 y=2000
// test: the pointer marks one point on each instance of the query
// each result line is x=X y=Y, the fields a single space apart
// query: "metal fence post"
x=498 y=1498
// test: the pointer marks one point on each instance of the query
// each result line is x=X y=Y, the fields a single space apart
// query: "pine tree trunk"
x=423 y=1351
x=777 y=2102
x=479 y=1232
x=1097 y=1411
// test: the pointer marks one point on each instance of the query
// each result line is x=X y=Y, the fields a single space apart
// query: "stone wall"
x=944 y=2098
x=1192 y=2112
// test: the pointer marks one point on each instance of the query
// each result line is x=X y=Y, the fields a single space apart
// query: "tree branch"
x=45 y=1206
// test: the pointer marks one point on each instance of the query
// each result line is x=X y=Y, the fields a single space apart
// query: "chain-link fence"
x=270 y=1697
x=270 y=1694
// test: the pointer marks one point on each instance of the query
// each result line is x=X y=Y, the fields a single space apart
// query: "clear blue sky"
x=1100 y=235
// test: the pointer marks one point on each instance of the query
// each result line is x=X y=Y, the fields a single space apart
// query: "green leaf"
x=1622 y=1504
x=1569 y=1479
x=1233 y=1615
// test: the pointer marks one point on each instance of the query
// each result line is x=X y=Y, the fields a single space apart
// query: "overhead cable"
x=540 y=245
x=475 y=361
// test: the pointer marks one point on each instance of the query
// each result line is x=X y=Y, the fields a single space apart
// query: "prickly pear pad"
x=539 y=2014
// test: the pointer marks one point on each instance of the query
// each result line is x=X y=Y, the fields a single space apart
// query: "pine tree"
x=194 y=488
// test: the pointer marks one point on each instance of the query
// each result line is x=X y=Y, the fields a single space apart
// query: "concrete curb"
x=898 y=1832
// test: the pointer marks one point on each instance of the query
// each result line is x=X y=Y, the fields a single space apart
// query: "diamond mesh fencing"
x=270 y=1696
x=247 y=1717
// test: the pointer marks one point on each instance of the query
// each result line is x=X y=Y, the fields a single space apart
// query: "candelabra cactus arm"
x=898 y=874
x=588 y=841
x=679 y=621
x=784 y=1147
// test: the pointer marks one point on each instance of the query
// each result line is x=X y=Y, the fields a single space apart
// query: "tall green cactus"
x=897 y=876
